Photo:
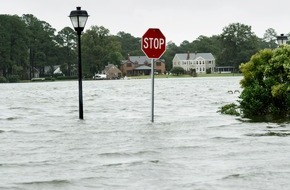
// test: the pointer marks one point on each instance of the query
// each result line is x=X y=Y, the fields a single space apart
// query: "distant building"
x=34 y=73
x=56 y=70
x=225 y=69
x=198 y=61
x=112 y=72
x=49 y=70
x=140 y=65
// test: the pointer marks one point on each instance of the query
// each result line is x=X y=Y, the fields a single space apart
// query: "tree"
x=66 y=41
x=186 y=46
x=171 y=50
x=99 y=49
x=42 y=46
x=270 y=38
x=239 y=43
x=13 y=48
x=129 y=44
x=205 y=44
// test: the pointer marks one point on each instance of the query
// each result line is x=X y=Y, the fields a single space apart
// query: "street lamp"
x=79 y=18
x=282 y=40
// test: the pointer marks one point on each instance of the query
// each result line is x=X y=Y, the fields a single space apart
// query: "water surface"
x=43 y=144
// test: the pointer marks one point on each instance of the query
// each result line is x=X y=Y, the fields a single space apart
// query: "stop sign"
x=153 y=43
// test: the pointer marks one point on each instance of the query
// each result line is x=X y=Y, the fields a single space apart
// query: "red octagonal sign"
x=153 y=43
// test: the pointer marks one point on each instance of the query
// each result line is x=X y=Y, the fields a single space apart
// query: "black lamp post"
x=282 y=40
x=79 y=18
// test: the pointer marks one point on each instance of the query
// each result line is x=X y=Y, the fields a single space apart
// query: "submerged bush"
x=230 y=109
x=266 y=84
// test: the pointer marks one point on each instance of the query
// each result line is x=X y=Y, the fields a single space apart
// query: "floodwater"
x=44 y=146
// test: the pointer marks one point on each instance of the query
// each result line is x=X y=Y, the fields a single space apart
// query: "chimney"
x=128 y=57
x=188 y=55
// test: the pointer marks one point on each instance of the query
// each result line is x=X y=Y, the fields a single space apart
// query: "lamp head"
x=79 y=19
x=282 y=40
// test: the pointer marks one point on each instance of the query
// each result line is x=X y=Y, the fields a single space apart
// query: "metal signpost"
x=153 y=44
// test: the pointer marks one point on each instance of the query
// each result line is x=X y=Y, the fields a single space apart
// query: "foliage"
x=3 y=79
x=177 y=70
x=99 y=49
x=208 y=71
x=13 y=78
x=13 y=48
x=129 y=44
x=41 y=43
x=230 y=109
x=29 y=44
x=270 y=37
x=193 y=72
x=239 y=43
x=67 y=56
x=266 y=83
x=171 y=50
x=66 y=77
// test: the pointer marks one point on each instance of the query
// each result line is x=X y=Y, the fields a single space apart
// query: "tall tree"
x=239 y=43
x=270 y=38
x=13 y=48
x=66 y=41
x=207 y=44
x=42 y=49
x=129 y=44
x=99 y=49
x=171 y=50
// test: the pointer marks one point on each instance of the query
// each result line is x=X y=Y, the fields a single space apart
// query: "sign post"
x=153 y=44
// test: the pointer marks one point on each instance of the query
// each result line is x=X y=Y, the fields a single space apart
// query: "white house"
x=198 y=61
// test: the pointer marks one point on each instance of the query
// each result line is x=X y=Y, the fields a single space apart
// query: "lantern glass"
x=79 y=19
x=282 y=40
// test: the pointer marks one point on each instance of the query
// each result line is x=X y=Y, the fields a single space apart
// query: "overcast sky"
x=178 y=20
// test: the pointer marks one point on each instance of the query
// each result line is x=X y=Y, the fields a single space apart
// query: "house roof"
x=140 y=60
x=110 y=68
x=193 y=56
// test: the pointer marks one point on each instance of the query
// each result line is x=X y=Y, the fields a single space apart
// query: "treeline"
x=28 y=44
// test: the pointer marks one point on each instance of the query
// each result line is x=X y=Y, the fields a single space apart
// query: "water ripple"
x=44 y=145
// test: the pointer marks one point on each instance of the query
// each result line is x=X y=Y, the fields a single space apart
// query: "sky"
x=178 y=20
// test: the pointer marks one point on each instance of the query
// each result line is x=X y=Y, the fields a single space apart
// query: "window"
x=129 y=64
x=158 y=64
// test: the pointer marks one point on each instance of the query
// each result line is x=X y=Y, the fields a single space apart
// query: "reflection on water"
x=43 y=144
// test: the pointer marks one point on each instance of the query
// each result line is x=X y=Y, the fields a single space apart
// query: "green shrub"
x=266 y=85
x=13 y=78
x=2 y=79
x=208 y=71
x=49 y=78
x=66 y=77
x=177 y=70
x=230 y=109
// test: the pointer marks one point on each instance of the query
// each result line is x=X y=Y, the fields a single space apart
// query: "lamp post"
x=79 y=18
x=282 y=40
